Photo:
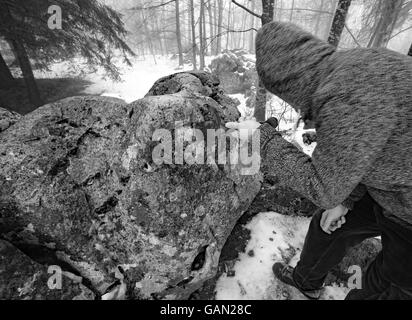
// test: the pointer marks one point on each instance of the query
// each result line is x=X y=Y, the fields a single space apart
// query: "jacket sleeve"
x=356 y=195
x=350 y=138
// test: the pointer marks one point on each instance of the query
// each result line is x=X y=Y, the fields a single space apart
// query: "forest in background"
x=192 y=29
x=106 y=33
x=209 y=26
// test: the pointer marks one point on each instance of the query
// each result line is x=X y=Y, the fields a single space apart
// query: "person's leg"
x=373 y=284
x=377 y=287
x=322 y=252
x=389 y=276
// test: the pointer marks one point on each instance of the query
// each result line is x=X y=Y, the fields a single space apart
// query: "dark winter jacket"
x=361 y=103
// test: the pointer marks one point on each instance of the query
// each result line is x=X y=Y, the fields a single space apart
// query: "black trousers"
x=389 y=276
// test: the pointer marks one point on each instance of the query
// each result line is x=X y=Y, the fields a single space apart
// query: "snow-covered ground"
x=274 y=238
x=136 y=80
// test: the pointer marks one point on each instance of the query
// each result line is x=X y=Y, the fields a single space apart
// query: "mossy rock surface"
x=78 y=188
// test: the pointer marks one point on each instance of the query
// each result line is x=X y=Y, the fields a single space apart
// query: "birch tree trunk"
x=338 y=23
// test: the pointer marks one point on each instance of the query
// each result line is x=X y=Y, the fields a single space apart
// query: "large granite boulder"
x=79 y=189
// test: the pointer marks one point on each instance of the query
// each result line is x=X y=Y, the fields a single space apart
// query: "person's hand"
x=333 y=219
x=246 y=127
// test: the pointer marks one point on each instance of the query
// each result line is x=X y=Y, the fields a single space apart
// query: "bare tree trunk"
x=375 y=29
x=26 y=69
x=291 y=11
x=216 y=22
x=232 y=27
x=252 y=33
x=158 y=33
x=242 y=35
x=387 y=21
x=179 y=33
x=188 y=25
x=319 y=18
x=193 y=27
x=338 y=23
x=332 y=6
x=201 y=35
x=211 y=27
x=219 y=26
x=392 y=26
x=6 y=78
x=268 y=7
x=23 y=59
x=280 y=12
x=148 y=38
x=204 y=22
x=228 y=25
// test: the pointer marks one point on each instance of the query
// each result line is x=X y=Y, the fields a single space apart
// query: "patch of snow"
x=288 y=120
x=136 y=80
x=298 y=138
x=244 y=111
x=274 y=238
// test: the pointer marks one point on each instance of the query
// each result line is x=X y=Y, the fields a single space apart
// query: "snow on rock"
x=274 y=238
x=242 y=108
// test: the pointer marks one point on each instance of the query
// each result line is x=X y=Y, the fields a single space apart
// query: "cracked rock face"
x=7 y=118
x=79 y=189
x=25 y=279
